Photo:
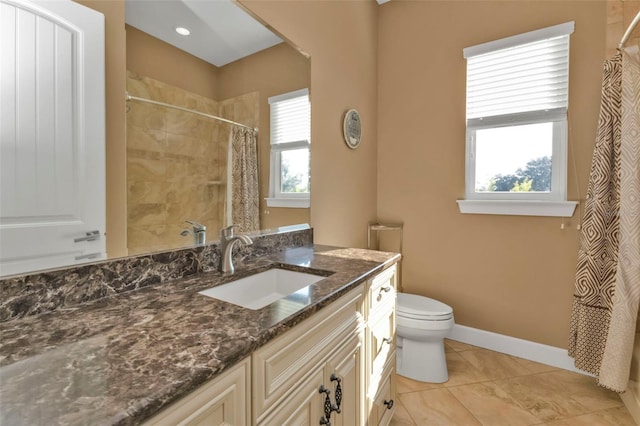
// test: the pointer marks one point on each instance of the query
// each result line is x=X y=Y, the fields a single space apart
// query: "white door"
x=52 y=161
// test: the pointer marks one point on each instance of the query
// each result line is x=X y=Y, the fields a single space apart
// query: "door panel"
x=347 y=365
x=52 y=166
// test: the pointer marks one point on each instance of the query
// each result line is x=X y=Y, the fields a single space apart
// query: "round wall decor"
x=352 y=128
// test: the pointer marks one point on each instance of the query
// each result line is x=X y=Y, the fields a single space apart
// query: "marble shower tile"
x=143 y=169
x=145 y=139
x=146 y=116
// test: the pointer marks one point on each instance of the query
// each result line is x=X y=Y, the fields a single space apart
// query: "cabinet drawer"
x=383 y=405
x=222 y=401
x=381 y=346
x=381 y=296
x=284 y=362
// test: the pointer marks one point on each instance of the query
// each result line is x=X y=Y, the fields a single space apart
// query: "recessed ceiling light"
x=183 y=31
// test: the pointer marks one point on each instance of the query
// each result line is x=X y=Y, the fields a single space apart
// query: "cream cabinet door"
x=302 y=408
x=383 y=404
x=344 y=377
x=223 y=401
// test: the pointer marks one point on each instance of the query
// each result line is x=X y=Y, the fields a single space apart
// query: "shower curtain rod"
x=128 y=97
x=627 y=33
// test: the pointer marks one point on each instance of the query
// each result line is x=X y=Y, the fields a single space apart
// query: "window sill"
x=518 y=208
x=293 y=203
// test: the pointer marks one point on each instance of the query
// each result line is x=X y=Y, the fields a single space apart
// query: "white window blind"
x=520 y=74
x=290 y=117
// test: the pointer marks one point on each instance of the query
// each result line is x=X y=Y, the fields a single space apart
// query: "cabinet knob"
x=388 y=340
x=389 y=404
x=386 y=289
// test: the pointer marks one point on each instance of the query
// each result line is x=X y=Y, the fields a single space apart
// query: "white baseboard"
x=520 y=348
x=631 y=400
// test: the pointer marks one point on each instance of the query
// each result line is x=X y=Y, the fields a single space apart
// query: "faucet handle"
x=227 y=232
x=197 y=227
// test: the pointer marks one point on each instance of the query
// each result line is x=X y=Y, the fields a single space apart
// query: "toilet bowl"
x=421 y=326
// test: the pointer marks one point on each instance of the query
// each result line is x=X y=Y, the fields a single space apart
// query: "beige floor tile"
x=495 y=365
x=458 y=346
x=612 y=417
x=584 y=390
x=492 y=406
x=542 y=396
x=535 y=367
x=437 y=407
x=447 y=347
x=401 y=417
x=405 y=384
x=461 y=372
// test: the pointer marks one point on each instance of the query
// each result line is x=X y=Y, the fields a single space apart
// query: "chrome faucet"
x=227 y=242
x=198 y=230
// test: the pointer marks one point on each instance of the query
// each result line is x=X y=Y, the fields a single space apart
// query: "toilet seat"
x=418 y=307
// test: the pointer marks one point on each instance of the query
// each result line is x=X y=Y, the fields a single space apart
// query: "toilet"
x=421 y=326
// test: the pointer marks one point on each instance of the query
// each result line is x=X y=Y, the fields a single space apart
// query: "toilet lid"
x=415 y=306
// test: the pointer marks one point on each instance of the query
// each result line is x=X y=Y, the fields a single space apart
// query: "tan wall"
x=506 y=274
x=273 y=71
x=116 y=155
x=341 y=38
x=151 y=57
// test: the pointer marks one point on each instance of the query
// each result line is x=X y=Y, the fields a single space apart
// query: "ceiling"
x=221 y=32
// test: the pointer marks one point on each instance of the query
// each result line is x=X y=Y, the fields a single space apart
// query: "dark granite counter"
x=120 y=359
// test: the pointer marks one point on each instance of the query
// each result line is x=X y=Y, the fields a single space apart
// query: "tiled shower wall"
x=619 y=16
x=176 y=165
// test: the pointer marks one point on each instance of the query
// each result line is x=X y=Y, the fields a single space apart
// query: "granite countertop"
x=121 y=359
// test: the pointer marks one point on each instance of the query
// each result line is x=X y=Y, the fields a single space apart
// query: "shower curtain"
x=607 y=284
x=242 y=194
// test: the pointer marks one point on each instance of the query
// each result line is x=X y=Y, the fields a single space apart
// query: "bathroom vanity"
x=336 y=366
x=165 y=354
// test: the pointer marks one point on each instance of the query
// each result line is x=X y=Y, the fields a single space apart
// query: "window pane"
x=514 y=158
x=295 y=171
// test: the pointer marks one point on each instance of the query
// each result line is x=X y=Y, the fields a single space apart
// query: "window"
x=289 y=175
x=517 y=100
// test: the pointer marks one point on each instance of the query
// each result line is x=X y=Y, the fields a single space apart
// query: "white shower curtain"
x=607 y=290
x=242 y=173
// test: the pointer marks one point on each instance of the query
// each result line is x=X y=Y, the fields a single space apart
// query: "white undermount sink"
x=259 y=290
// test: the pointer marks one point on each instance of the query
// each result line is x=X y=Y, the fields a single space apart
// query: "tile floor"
x=494 y=389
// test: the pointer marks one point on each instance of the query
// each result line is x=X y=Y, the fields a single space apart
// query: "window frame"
x=558 y=190
x=539 y=203
x=276 y=197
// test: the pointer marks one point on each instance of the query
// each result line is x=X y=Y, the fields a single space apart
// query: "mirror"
x=177 y=160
